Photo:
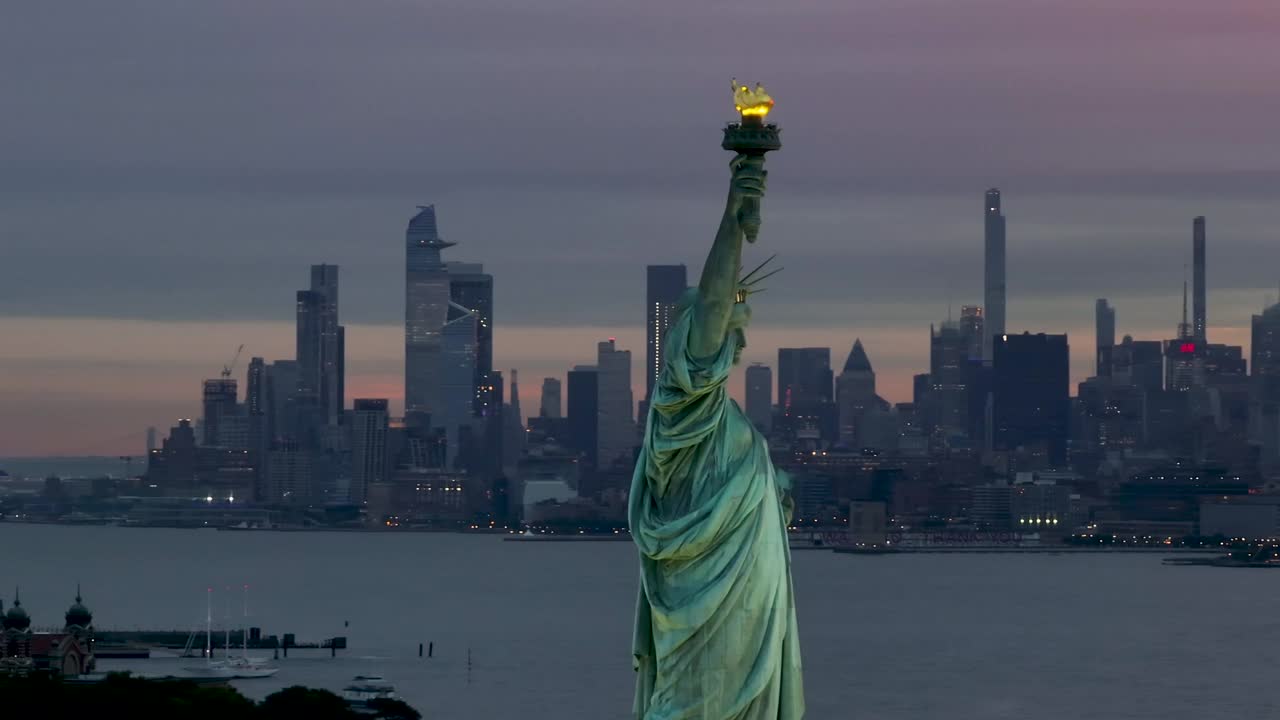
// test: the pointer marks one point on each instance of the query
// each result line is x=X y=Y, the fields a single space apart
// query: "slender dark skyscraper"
x=666 y=283
x=1199 y=301
x=320 y=351
x=1105 y=333
x=255 y=396
x=994 y=280
x=759 y=396
x=583 y=410
x=472 y=288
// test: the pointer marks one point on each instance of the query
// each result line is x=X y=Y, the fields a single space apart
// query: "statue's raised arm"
x=718 y=286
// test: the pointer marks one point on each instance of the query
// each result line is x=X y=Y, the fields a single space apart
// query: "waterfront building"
x=369 y=422
x=64 y=654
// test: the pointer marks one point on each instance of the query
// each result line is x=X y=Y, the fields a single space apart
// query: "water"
x=548 y=625
x=40 y=468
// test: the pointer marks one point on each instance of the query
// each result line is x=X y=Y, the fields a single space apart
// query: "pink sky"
x=88 y=387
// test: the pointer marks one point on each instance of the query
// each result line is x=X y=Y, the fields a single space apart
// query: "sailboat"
x=230 y=668
x=248 y=667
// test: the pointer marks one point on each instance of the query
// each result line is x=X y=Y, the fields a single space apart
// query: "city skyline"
x=116 y=327
x=899 y=381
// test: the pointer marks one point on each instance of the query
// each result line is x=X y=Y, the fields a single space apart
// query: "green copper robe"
x=715 y=635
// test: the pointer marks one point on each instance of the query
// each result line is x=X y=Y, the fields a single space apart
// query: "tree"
x=302 y=703
x=390 y=709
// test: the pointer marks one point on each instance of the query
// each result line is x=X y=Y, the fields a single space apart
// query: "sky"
x=171 y=168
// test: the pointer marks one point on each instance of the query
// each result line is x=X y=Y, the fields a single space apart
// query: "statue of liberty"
x=715 y=635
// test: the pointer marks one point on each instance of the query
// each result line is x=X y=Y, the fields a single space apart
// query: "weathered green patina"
x=715 y=635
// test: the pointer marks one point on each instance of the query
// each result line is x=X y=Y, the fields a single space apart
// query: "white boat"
x=365 y=689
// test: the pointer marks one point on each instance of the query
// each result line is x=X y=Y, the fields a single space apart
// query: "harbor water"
x=541 y=631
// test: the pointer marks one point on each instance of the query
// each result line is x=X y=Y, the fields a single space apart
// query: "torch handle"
x=749 y=218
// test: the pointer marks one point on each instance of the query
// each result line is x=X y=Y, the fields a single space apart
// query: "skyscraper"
x=426 y=310
x=319 y=347
x=455 y=385
x=856 y=397
x=1264 y=345
x=615 y=434
x=665 y=285
x=472 y=288
x=1139 y=363
x=1199 y=305
x=955 y=404
x=1104 y=320
x=804 y=379
x=368 y=446
x=281 y=392
x=1264 y=401
x=255 y=398
x=513 y=440
x=583 y=410
x=219 y=401
x=448 y=329
x=1183 y=367
x=1031 y=394
x=550 y=407
x=994 y=284
x=256 y=408
x=759 y=396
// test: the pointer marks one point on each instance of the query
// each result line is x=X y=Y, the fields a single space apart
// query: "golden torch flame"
x=750 y=102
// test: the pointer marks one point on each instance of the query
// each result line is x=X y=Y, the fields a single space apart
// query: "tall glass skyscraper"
x=448 y=335
x=665 y=284
x=472 y=288
x=320 y=352
x=456 y=382
x=426 y=310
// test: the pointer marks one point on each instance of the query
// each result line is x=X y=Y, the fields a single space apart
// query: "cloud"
x=180 y=166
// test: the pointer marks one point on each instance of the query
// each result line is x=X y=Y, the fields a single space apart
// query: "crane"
x=228 y=368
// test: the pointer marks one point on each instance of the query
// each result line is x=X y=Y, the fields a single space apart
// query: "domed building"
x=68 y=653
x=15 y=643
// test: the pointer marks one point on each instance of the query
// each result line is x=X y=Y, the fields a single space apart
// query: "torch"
x=753 y=137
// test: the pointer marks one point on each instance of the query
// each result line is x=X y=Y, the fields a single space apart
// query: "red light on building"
x=1187 y=348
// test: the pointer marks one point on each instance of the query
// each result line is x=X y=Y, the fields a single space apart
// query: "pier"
x=139 y=643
